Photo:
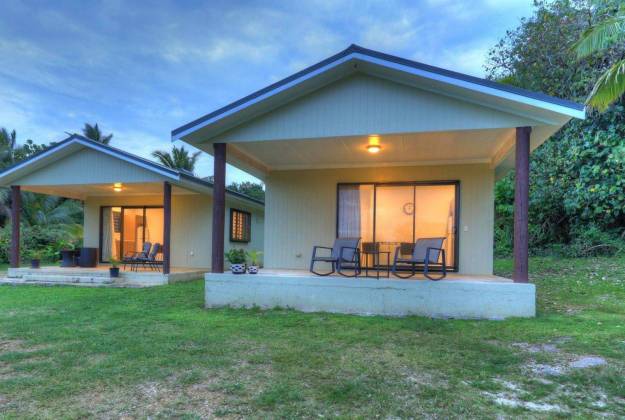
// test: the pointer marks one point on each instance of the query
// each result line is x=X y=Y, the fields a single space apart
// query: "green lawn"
x=83 y=352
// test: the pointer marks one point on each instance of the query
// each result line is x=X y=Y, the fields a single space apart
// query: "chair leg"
x=312 y=269
x=396 y=274
x=444 y=268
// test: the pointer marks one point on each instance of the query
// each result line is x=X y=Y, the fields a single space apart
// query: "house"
x=390 y=150
x=129 y=200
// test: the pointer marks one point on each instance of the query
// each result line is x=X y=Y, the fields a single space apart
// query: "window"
x=391 y=215
x=240 y=226
x=124 y=230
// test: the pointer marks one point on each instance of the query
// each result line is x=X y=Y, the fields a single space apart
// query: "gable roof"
x=355 y=54
x=70 y=144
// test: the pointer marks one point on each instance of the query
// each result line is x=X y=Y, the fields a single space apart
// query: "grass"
x=91 y=352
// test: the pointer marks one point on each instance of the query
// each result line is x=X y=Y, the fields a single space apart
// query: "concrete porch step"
x=57 y=271
x=52 y=278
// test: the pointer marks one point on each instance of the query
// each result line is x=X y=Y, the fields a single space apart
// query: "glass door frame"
x=455 y=183
x=121 y=227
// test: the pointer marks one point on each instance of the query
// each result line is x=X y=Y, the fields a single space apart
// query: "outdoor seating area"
x=150 y=258
x=346 y=259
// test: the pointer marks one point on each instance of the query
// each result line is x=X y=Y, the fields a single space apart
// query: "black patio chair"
x=426 y=253
x=151 y=261
x=344 y=254
x=129 y=258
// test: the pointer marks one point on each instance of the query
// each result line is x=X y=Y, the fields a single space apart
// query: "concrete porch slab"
x=469 y=297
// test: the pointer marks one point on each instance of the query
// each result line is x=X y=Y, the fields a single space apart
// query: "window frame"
x=247 y=228
x=121 y=226
x=457 y=208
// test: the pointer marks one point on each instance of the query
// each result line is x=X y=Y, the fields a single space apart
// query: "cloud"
x=140 y=69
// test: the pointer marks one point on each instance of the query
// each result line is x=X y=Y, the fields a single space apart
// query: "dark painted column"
x=16 y=210
x=219 y=207
x=521 y=204
x=166 y=227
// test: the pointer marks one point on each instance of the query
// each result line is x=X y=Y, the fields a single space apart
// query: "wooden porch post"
x=219 y=207
x=521 y=204
x=16 y=210
x=166 y=226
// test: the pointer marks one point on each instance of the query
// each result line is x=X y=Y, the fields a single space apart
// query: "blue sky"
x=143 y=68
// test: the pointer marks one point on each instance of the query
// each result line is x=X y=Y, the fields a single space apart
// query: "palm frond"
x=601 y=36
x=609 y=87
x=164 y=158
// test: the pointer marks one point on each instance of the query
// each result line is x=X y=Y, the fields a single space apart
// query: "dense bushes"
x=577 y=177
x=46 y=240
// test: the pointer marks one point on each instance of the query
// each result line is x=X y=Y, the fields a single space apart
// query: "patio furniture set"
x=409 y=258
x=148 y=257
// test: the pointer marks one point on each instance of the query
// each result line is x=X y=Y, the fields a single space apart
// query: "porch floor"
x=457 y=277
x=100 y=275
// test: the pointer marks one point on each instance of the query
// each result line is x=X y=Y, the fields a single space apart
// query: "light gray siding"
x=88 y=166
x=362 y=105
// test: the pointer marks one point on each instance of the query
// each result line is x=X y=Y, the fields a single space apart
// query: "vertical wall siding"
x=300 y=210
x=88 y=167
x=191 y=225
x=361 y=105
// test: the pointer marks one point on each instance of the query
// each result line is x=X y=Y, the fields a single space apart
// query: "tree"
x=251 y=189
x=595 y=40
x=179 y=158
x=8 y=141
x=576 y=175
x=93 y=132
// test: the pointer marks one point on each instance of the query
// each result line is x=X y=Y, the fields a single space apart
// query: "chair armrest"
x=397 y=249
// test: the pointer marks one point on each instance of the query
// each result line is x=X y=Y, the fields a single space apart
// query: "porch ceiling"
x=474 y=146
x=82 y=191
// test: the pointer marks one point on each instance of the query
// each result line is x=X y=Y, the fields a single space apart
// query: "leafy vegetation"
x=94 y=133
x=251 y=189
x=179 y=158
x=75 y=352
x=577 y=203
x=596 y=39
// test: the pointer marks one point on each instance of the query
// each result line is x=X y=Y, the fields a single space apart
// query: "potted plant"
x=35 y=259
x=254 y=258
x=236 y=258
x=114 y=268
x=67 y=253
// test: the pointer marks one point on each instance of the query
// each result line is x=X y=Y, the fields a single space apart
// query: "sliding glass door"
x=396 y=215
x=124 y=230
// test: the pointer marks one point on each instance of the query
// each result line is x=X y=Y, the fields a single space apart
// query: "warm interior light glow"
x=117 y=187
x=374 y=144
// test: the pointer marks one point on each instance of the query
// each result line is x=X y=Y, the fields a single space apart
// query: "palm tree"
x=93 y=132
x=7 y=146
x=611 y=84
x=179 y=158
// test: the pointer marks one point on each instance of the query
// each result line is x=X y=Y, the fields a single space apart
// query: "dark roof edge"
x=132 y=156
x=391 y=58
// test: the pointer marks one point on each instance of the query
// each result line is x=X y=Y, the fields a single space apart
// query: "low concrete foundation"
x=454 y=298
x=99 y=275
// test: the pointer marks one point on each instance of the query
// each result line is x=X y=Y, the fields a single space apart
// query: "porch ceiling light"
x=374 y=144
x=117 y=187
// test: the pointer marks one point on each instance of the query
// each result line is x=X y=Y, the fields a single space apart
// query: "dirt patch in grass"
x=167 y=398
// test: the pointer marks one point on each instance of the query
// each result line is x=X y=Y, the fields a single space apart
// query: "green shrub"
x=47 y=241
